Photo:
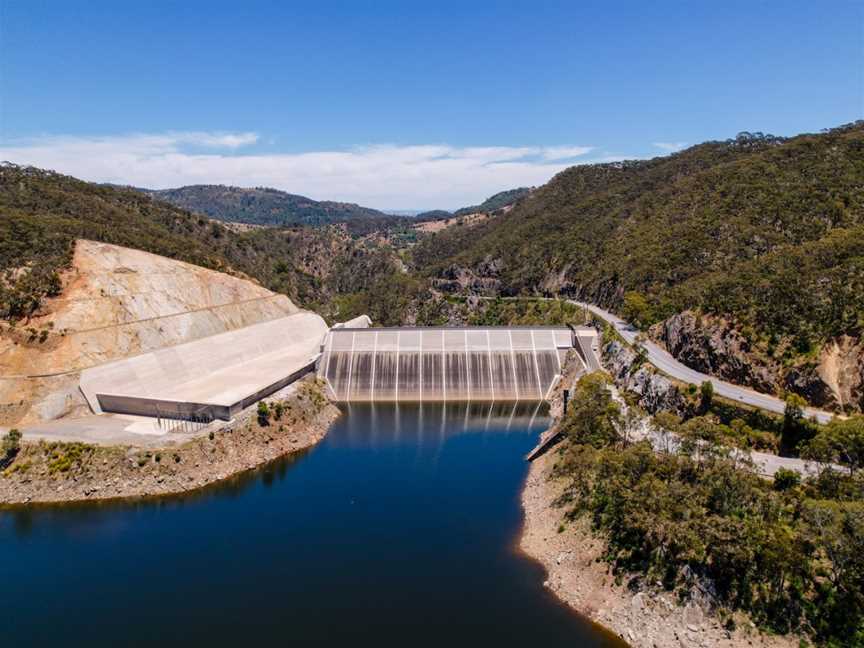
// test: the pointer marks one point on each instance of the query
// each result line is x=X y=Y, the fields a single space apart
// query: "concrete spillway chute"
x=446 y=364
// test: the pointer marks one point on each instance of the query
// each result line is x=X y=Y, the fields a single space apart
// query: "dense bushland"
x=789 y=553
x=43 y=213
x=765 y=231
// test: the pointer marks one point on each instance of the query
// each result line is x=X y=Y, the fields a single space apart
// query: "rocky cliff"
x=656 y=392
x=830 y=377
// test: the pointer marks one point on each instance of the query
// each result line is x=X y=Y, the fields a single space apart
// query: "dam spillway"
x=444 y=364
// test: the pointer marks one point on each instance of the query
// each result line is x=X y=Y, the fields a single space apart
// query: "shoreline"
x=47 y=472
x=576 y=574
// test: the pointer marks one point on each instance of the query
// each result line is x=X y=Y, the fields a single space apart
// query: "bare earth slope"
x=117 y=302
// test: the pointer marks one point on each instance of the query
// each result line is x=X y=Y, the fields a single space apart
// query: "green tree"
x=636 y=309
x=703 y=439
x=593 y=417
x=835 y=531
x=263 y=414
x=10 y=447
x=667 y=425
x=795 y=428
x=841 y=441
x=706 y=395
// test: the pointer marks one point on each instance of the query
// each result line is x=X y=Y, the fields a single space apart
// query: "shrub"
x=10 y=446
x=263 y=414
x=706 y=395
x=62 y=457
x=785 y=479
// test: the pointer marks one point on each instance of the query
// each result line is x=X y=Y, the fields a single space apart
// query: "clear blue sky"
x=331 y=77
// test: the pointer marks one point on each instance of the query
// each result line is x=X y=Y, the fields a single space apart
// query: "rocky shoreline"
x=48 y=472
x=644 y=617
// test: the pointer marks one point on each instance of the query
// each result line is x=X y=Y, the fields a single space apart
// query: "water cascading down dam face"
x=444 y=364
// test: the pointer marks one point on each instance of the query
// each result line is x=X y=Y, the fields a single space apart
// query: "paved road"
x=764 y=463
x=664 y=361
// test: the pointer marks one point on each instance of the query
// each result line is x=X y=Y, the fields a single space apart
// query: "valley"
x=152 y=349
x=432 y=324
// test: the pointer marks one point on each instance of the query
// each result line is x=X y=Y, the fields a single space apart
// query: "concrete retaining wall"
x=219 y=374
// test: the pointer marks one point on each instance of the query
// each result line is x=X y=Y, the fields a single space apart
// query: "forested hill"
x=499 y=200
x=263 y=206
x=42 y=214
x=764 y=232
x=493 y=203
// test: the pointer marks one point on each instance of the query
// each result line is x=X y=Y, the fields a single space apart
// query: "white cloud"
x=383 y=176
x=565 y=152
x=671 y=147
x=219 y=140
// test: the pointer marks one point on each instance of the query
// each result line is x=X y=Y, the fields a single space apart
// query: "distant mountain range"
x=43 y=213
x=493 y=203
x=264 y=206
x=272 y=207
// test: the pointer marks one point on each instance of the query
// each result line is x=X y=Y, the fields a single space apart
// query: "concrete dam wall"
x=445 y=364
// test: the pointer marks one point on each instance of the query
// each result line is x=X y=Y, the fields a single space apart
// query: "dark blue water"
x=400 y=529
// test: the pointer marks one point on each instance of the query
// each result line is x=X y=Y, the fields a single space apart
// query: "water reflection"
x=23 y=518
x=397 y=529
x=412 y=423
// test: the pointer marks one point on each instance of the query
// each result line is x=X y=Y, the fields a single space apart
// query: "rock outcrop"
x=117 y=302
x=841 y=369
x=833 y=380
x=656 y=392
x=483 y=280
x=715 y=347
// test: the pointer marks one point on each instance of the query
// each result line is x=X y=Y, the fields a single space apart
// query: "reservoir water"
x=399 y=529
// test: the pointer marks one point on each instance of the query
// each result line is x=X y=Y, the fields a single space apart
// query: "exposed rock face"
x=841 y=369
x=806 y=381
x=713 y=346
x=484 y=280
x=656 y=392
x=117 y=302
